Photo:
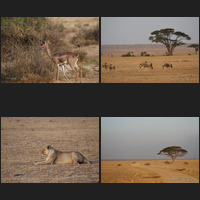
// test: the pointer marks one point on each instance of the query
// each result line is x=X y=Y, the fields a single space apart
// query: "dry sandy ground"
x=74 y=25
x=22 y=139
x=185 y=69
x=150 y=171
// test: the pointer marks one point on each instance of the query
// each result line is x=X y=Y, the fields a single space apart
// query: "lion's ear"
x=49 y=146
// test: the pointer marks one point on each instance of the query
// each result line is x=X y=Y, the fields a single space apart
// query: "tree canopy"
x=173 y=152
x=195 y=46
x=169 y=37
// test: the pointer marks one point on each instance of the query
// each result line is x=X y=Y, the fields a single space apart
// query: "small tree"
x=173 y=152
x=169 y=38
x=195 y=46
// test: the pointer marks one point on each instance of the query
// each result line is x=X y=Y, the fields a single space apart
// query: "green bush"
x=144 y=53
x=127 y=55
x=87 y=37
x=22 y=58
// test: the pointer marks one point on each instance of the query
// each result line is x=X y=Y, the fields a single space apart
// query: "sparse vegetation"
x=21 y=55
x=144 y=53
x=147 y=164
x=129 y=54
x=87 y=37
x=167 y=162
x=22 y=58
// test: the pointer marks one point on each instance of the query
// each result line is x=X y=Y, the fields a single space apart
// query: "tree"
x=173 y=152
x=169 y=38
x=195 y=46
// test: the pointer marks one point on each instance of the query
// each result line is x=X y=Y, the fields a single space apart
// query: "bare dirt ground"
x=73 y=26
x=22 y=140
x=185 y=67
x=150 y=171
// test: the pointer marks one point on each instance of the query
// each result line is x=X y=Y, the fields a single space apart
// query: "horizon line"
x=146 y=159
x=146 y=44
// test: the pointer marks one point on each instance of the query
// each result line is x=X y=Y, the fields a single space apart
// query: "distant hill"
x=138 y=48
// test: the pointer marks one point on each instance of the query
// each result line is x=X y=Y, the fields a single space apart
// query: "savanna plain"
x=22 y=141
x=150 y=171
x=184 y=61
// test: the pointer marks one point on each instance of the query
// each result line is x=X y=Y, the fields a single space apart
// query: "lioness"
x=54 y=156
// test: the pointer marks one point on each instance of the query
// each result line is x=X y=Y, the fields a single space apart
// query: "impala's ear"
x=43 y=42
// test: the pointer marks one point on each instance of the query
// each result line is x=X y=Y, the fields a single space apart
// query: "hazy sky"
x=144 y=137
x=137 y=30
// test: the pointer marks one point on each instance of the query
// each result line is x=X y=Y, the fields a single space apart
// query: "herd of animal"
x=145 y=64
x=108 y=66
x=150 y=65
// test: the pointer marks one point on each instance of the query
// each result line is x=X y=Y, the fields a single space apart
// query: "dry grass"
x=24 y=61
x=155 y=172
x=22 y=139
x=185 y=69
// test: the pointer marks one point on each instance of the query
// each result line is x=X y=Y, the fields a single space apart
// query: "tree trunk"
x=170 y=50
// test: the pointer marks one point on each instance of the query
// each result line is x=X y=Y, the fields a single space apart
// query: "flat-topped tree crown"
x=173 y=152
x=169 y=38
x=195 y=46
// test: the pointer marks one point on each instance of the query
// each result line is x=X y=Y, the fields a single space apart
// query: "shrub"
x=129 y=54
x=22 y=58
x=144 y=53
x=87 y=37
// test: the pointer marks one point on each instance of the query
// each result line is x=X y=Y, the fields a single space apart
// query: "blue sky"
x=137 y=30
x=144 y=137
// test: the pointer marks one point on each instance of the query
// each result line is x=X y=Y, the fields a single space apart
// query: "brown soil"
x=22 y=139
x=150 y=171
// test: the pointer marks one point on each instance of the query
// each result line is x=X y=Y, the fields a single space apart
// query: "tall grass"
x=22 y=58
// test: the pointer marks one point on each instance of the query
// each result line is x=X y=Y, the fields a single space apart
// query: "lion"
x=58 y=157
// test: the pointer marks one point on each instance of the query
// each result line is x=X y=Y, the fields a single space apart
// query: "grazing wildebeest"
x=105 y=66
x=111 y=67
x=167 y=65
x=146 y=65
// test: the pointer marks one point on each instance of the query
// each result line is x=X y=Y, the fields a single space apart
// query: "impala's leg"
x=81 y=75
x=76 y=74
x=57 y=72
x=77 y=68
x=64 y=73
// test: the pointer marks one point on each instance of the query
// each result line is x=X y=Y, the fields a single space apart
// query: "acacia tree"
x=169 y=38
x=173 y=152
x=195 y=46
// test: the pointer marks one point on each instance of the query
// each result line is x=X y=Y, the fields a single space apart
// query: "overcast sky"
x=137 y=30
x=143 y=137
